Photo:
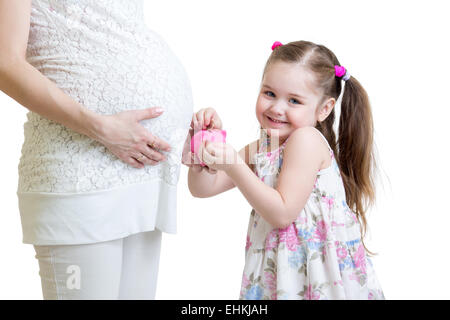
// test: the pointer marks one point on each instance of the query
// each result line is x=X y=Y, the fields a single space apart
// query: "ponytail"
x=356 y=157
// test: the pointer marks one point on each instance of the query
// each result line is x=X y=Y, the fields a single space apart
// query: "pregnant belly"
x=107 y=76
x=114 y=74
x=130 y=78
x=141 y=79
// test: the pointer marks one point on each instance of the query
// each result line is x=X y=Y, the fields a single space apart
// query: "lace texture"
x=101 y=54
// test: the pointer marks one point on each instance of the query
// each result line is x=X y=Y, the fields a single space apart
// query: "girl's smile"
x=275 y=122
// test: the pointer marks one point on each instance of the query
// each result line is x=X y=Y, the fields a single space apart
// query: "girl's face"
x=288 y=100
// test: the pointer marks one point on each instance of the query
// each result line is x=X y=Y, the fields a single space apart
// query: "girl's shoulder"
x=311 y=142
x=310 y=134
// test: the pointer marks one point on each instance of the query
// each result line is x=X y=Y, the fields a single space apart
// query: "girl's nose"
x=277 y=108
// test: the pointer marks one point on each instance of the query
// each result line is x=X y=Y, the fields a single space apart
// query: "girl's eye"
x=294 y=101
x=269 y=93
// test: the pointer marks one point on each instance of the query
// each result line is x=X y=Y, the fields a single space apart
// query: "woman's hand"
x=219 y=155
x=126 y=138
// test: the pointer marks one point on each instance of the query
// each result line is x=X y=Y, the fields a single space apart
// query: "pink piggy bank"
x=214 y=135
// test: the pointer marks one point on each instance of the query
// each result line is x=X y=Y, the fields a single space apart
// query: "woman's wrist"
x=93 y=124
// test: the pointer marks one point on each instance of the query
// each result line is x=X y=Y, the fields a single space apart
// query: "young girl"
x=309 y=192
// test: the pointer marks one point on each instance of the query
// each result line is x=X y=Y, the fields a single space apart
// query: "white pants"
x=125 y=268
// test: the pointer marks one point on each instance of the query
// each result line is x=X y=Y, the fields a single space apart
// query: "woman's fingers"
x=152 y=155
x=149 y=151
x=156 y=143
x=148 y=113
x=130 y=141
x=143 y=160
x=153 y=141
x=133 y=162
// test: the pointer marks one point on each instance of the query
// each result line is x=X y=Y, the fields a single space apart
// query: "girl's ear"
x=326 y=109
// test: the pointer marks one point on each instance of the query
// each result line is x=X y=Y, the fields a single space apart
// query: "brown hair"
x=354 y=147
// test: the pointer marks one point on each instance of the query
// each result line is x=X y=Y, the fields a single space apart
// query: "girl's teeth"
x=276 y=120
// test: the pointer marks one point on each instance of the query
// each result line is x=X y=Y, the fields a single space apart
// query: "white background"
x=398 y=50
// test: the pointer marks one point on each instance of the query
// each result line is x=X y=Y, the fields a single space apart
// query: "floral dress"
x=318 y=256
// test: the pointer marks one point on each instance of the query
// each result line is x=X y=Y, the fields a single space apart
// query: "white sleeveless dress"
x=319 y=256
x=71 y=189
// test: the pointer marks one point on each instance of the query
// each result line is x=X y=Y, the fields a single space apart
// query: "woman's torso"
x=102 y=54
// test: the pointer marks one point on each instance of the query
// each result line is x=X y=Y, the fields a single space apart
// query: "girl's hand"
x=206 y=119
x=219 y=156
x=188 y=158
x=201 y=120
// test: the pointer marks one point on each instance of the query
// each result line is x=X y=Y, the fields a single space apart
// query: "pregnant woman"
x=99 y=164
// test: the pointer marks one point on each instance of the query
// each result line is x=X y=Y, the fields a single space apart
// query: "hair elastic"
x=341 y=72
x=276 y=44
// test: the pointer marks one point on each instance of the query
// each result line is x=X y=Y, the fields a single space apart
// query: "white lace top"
x=72 y=189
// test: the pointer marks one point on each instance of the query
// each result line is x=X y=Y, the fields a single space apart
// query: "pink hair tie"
x=340 y=71
x=276 y=44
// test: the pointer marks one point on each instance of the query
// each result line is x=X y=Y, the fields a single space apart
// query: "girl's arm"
x=301 y=161
x=204 y=185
